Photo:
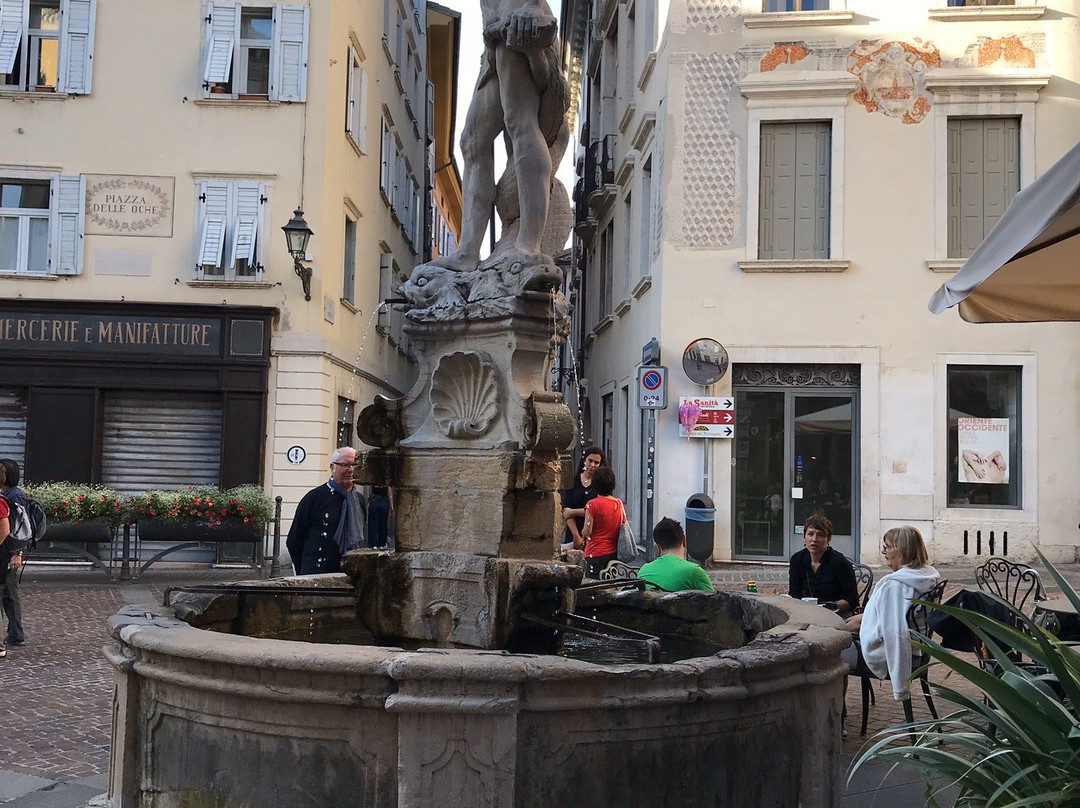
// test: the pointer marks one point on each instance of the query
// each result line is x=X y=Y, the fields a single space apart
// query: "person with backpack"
x=18 y=506
x=5 y=545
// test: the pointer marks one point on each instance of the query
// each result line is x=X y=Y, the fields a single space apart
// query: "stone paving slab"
x=56 y=728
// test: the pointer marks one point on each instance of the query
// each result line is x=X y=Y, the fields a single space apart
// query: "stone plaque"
x=118 y=205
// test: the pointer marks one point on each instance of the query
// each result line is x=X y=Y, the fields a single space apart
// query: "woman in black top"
x=818 y=571
x=574 y=499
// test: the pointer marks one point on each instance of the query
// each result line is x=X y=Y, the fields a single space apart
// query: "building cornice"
x=983 y=13
x=798 y=84
x=797 y=19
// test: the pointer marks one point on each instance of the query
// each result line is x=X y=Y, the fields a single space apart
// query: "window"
x=957 y=3
x=607 y=269
x=41 y=225
x=984 y=428
x=45 y=45
x=345 y=411
x=793 y=204
x=984 y=176
x=797 y=5
x=386 y=161
x=645 y=219
x=386 y=284
x=255 y=51
x=348 y=287
x=356 y=101
x=230 y=230
x=607 y=426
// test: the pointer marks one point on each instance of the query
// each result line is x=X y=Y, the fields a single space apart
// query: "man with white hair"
x=329 y=520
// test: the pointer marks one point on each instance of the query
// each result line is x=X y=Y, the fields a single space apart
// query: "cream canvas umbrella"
x=1027 y=269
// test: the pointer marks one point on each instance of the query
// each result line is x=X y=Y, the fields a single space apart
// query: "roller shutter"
x=13 y=425
x=163 y=442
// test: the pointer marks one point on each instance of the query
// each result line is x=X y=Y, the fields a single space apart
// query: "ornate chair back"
x=617 y=571
x=1010 y=581
x=864 y=581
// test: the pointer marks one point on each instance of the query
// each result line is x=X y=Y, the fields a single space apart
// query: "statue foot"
x=523 y=259
x=455 y=263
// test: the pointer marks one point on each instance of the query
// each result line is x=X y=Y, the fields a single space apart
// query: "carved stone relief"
x=464 y=395
x=777 y=375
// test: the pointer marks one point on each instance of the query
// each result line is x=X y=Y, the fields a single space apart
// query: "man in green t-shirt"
x=671 y=571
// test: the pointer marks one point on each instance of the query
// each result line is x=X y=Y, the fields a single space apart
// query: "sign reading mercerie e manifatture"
x=118 y=205
x=78 y=332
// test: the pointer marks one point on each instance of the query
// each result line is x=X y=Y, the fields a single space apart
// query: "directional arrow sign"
x=715 y=421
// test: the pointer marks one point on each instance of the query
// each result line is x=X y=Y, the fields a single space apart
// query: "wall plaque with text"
x=82 y=333
x=119 y=205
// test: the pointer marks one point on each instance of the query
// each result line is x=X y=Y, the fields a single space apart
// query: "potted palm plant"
x=1020 y=745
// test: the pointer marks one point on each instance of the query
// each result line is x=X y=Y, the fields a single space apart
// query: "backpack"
x=38 y=524
x=21 y=529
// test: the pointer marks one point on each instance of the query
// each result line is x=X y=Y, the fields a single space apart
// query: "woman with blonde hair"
x=882 y=638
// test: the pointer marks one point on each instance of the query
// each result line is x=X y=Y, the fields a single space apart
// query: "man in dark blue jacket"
x=329 y=519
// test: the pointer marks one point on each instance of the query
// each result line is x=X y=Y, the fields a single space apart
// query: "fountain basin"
x=204 y=718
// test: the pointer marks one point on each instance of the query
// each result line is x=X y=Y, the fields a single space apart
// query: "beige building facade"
x=794 y=180
x=150 y=154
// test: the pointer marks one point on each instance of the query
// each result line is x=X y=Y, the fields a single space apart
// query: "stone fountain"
x=237 y=698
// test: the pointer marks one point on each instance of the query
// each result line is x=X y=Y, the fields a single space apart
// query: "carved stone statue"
x=521 y=94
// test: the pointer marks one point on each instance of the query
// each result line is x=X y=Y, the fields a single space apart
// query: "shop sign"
x=706 y=417
x=94 y=333
x=984 y=450
x=118 y=205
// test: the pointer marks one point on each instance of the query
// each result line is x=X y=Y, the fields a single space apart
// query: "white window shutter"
x=67 y=232
x=360 y=135
x=222 y=25
x=214 y=197
x=350 y=99
x=14 y=15
x=76 y=46
x=249 y=196
x=289 y=71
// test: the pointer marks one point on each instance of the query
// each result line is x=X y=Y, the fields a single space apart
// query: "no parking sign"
x=652 y=388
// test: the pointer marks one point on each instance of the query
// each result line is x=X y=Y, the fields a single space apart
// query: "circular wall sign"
x=296 y=455
x=705 y=361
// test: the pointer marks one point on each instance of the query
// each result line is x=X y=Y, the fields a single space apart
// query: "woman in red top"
x=603 y=516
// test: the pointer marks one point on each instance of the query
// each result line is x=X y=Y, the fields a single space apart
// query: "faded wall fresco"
x=710 y=166
x=892 y=77
x=786 y=54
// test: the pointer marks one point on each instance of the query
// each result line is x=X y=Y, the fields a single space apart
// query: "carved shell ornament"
x=464 y=395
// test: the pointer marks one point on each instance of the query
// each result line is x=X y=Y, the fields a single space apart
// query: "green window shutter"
x=794 y=199
x=983 y=177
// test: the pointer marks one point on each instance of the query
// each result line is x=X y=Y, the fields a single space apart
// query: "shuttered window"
x=160 y=441
x=255 y=50
x=356 y=101
x=230 y=224
x=13 y=425
x=41 y=225
x=47 y=45
x=984 y=176
x=793 y=215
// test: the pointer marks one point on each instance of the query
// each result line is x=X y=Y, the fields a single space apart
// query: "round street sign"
x=296 y=455
x=705 y=361
x=651 y=380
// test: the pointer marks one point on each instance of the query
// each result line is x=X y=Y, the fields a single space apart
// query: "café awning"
x=1027 y=269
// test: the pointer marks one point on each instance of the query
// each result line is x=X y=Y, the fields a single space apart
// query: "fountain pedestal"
x=475 y=455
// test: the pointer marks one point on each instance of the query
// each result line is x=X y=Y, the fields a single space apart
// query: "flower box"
x=228 y=529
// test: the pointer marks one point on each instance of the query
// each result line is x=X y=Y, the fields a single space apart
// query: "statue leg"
x=532 y=160
x=482 y=126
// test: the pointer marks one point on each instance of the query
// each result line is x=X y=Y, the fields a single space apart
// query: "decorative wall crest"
x=892 y=77
x=464 y=395
x=777 y=375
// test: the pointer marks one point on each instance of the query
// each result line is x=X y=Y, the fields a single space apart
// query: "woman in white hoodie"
x=882 y=639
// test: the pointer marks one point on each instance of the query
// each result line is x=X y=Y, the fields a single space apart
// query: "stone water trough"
x=204 y=716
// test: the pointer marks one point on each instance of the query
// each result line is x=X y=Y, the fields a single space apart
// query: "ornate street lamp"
x=297 y=234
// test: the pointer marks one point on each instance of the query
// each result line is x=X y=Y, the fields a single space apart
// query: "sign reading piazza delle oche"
x=83 y=332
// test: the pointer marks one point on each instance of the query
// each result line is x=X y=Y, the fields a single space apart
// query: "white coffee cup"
x=810 y=600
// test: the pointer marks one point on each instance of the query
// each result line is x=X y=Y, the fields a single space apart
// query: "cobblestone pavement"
x=57 y=687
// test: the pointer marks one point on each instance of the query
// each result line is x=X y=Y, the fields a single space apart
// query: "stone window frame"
x=796 y=95
x=1029 y=436
x=960 y=93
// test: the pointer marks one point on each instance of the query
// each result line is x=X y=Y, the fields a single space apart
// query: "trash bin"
x=700 y=517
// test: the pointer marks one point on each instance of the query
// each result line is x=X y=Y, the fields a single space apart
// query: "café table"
x=1060 y=618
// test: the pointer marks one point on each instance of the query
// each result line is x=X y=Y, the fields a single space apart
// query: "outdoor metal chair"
x=917 y=617
x=864 y=582
x=1010 y=581
x=617 y=571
